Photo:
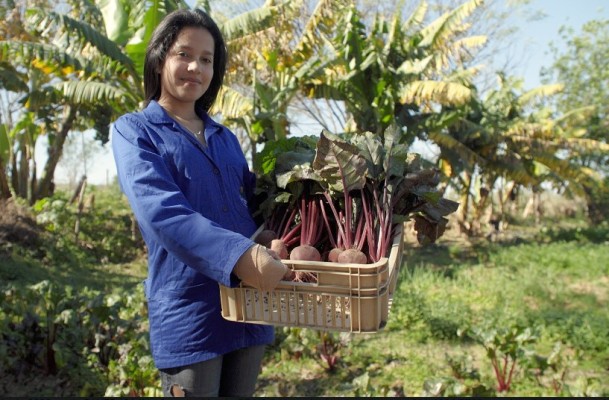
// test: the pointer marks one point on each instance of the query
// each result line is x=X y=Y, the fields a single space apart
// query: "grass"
x=23 y=270
x=106 y=257
x=558 y=289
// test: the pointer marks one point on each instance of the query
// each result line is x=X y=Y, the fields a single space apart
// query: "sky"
x=536 y=35
x=532 y=37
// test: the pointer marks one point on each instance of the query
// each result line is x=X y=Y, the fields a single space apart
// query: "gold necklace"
x=184 y=123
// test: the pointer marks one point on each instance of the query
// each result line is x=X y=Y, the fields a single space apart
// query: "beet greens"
x=353 y=188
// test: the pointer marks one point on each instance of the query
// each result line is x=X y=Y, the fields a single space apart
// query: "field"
x=536 y=299
x=523 y=312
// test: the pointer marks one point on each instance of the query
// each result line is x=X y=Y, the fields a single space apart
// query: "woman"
x=188 y=184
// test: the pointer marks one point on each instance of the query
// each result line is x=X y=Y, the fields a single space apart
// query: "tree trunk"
x=33 y=175
x=5 y=190
x=46 y=185
x=14 y=176
x=81 y=206
x=78 y=189
x=464 y=222
x=533 y=207
x=22 y=171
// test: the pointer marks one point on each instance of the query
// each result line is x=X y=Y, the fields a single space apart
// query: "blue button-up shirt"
x=191 y=204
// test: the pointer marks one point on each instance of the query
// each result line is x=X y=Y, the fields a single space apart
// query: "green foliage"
x=428 y=314
x=364 y=388
x=580 y=67
x=590 y=234
x=428 y=319
x=133 y=372
x=322 y=346
x=505 y=348
x=295 y=343
x=97 y=339
x=65 y=318
x=598 y=201
x=85 y=336
x=448 y=386
x=105 y=232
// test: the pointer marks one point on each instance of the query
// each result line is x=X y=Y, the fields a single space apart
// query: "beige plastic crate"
x=346 y=297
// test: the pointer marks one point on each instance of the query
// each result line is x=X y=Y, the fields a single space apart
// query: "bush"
x=598 y=202
x=591 y=234
x=95 y=341
x=103 y=231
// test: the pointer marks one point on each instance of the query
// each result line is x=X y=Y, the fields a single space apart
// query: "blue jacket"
x=191 y=204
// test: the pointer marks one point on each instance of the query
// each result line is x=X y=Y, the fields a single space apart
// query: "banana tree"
x=76 y=77
x=398 y=70
x=11 y=81
x=504 y=139
x=274 y=50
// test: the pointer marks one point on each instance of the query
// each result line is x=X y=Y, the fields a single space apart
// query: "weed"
x=504 y=348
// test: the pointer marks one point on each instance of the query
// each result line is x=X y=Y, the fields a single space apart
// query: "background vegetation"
x=74 y=321
x=512 y=300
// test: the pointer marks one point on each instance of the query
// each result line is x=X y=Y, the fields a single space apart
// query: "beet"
x=265 y=237
x=352 y=256
x=305 y=253
x=334 y=253
x=279 y=247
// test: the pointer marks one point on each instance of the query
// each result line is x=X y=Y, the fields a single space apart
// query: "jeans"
x=230 y=375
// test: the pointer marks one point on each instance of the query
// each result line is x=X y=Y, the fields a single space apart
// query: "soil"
x=17 y=225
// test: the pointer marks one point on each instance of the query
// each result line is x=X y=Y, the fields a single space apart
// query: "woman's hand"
x=290 y=275
x=261 y=268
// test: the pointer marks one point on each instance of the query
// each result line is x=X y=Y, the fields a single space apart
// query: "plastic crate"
x=346 y=297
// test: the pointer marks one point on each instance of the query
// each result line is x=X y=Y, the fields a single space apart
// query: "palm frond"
x=11 y=79
x=578 y=115
x=587 y=145
x=450 y=143
x=466 y=75
x=38 y=99
x=414 y=21
x=447 y=24
x=248 y=23
x=232 y=104
x=83 y=92
x=414 y=67
x=513 y=167
x=320 y=25
x=448 y=93
x=116 y=20
x=564 y=169
x=86 y=35
x=525 y=130
x=394 y=34
x=28 y=52
x=540 y=92
x=465 y=45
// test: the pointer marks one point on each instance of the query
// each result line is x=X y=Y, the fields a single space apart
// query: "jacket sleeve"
x=163 y=212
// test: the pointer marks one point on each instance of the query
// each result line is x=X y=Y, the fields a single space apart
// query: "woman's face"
x=188 y=67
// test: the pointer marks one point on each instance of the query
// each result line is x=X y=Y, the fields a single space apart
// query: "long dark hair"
x=163 y=38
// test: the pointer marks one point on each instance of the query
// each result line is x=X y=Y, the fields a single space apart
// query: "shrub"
x=102 y=232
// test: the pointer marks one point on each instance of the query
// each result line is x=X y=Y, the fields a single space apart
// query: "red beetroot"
x=310 y=231
x=265 y=237
x=334 y=253
x=279 y=247
x=305 y=252
x=352 y=256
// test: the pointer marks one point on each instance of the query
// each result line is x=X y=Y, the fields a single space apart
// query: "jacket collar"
x=157 y=115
